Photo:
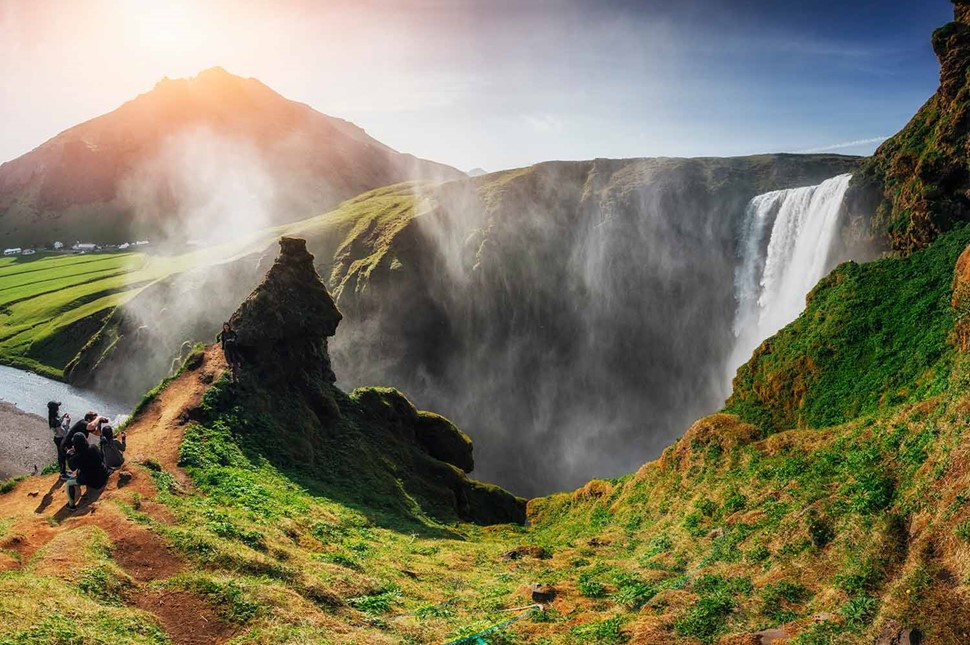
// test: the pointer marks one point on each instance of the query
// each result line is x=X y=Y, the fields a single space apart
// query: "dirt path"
x=37 y=508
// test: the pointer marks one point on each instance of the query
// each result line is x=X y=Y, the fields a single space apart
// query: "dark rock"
x=527 y=551
x=488 y=504
x=124 y=477
x=284 y=324
x=542 y=592
x=900 y=637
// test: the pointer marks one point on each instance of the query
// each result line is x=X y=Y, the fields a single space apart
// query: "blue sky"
x=501 y=83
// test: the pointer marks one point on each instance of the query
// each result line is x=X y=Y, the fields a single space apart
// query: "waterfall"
x=771 y=280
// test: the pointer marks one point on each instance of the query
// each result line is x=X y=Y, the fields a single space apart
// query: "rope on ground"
x=477 y=638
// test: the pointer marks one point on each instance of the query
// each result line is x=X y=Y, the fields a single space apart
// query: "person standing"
x=58 y=424
x=228 y=338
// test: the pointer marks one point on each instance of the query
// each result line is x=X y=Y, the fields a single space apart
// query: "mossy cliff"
x=919 y=180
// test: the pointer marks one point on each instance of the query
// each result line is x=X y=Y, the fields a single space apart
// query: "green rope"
x=477 y=638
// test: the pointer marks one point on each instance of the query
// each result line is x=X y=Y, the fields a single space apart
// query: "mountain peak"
x=115 y=172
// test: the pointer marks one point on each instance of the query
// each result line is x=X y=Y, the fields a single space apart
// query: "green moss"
x=872 y=337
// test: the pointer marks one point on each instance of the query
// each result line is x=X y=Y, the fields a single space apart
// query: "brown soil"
x=185 y=616
x=144 y=556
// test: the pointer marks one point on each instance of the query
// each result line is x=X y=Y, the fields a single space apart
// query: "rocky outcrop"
x=435 y=434
x=372 y=445
x=920 y=178
x=284 y=325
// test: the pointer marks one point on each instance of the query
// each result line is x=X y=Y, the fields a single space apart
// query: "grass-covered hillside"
x=830 y=497
x=51 y=305
x=67 y=312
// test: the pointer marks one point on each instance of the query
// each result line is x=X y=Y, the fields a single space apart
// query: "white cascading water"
x=771 y=283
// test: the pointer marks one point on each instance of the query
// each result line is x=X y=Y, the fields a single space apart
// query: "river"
x=25 y=440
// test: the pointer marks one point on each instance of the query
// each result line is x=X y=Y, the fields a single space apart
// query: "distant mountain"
x=476 y=172
x=194 y=150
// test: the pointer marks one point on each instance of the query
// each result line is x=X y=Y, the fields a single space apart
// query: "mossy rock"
x=487 y=504
x=441 y=439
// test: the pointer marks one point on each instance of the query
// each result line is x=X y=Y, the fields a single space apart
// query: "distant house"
x=29 y=252
x=123 y=246
x=13 y=251
x=141 y=243
x=58 y=245
x=87 y=246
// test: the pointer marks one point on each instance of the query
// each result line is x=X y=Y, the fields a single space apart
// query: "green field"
x=50 y=305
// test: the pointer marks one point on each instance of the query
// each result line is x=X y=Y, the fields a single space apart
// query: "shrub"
x=706 y=618
x=777 y=600
x=590 y=587
x=606 y=632
x=859 y=611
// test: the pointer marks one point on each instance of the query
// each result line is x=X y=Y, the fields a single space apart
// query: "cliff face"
x=554 y=311
x=562 y=310
x=373 y=441
x=919 y=179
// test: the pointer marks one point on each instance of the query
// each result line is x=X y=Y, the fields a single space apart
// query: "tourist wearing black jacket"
x=89 y=469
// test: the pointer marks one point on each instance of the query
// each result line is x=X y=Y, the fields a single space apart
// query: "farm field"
x=51 y=305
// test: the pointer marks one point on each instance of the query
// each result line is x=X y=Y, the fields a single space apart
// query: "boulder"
x=527 y=551
x=542 y=592
x=441 y=439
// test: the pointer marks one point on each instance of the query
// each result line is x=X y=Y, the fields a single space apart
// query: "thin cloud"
x=844 y=144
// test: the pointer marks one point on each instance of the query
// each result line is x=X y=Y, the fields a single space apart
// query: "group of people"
x=87 y=451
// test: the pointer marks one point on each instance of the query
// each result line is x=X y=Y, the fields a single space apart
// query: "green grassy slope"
x=51 y=305
x=871 y=336
x=746 y=523
x=838 y=533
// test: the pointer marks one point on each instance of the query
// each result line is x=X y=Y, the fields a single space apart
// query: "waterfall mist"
x=573 y=318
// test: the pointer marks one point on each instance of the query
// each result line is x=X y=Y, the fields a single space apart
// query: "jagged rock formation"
x=132 y=172
x=284 y=324
x=373 y=440
x=920 y=178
